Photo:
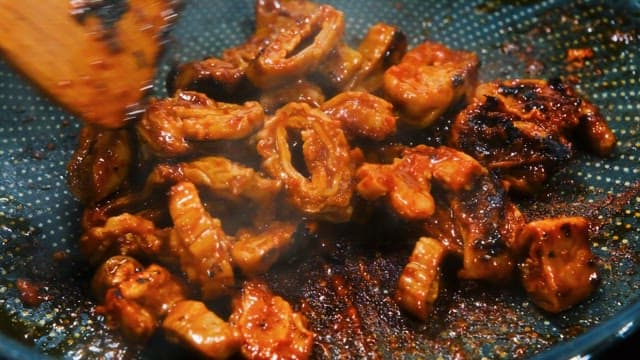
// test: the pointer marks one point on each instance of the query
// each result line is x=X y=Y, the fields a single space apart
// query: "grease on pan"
x=38 y=216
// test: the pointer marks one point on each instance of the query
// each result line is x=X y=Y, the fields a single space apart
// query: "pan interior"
x=39 y=218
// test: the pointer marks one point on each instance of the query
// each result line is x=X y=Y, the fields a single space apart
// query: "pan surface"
x=39 y=219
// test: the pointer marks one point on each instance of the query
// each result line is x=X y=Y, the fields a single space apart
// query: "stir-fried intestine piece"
x=254 y=252
x=268 y=325
x=296 y=91
x=199 y=242
x=220 y=176
x=487 y=221
x=228 y=179
x=113 y=271
x=362 y=114
x=224 y=77
x=406 y=183
x=192 y=324
x=419 y=282
x=484 y=219
x=138 y=304
x=337 y=70
x=272 y=15
x=326 y=194
x=169 y=126
x=287 y=54
x=100 y=164
x=429 y=80
x=124 y=234
x=560 y=270
x=218 y=78
x=383 y=46
x=522 y=129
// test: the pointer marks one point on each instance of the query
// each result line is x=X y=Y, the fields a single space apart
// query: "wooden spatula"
x=97 y=65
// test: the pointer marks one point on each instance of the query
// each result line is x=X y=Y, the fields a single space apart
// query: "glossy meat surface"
x=137 y=304
x=286 y=55
x=430 y=79
x=170 y=126
x=199 y=242
x=560 y=270
x=326 y=192
x=271 y=329
x=192 y=324
x=362 y=114
x=419 y=281
x=383 y=46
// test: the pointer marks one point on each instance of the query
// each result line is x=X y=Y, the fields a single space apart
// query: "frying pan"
x=520 y=38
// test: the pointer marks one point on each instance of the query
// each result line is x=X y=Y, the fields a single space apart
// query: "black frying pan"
x=39 y=218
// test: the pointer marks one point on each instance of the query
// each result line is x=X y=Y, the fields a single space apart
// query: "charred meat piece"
x=100 y=164
x=199 y=242
x=429 y=80
x=269 y=327
x=481 y=217
x=191 y=323
x=170 y=126
x=138 y=304
x=419 y=281
x=485 y=218
x=524 y=129
x=362 y=114
x=560 y=270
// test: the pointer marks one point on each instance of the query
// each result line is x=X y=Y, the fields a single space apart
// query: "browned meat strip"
x=199 y=242
x=419 y=281
x=484 y=217
x=287 y=55
x=430 y=79
x=169 y=126
x=383 y=46
x=406 y=183
x=362 y=114
x=191 y=323
x=481 y=217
